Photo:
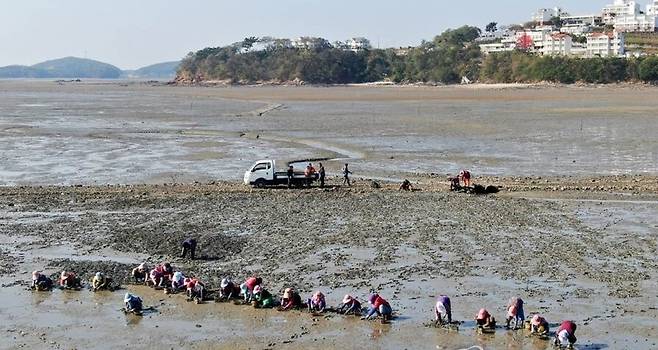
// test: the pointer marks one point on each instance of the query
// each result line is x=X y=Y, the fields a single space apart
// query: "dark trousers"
x=188 y=248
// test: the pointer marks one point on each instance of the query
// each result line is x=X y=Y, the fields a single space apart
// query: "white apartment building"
x=538 y=36
x=640 y=23
x=496 y=47
x=358 y=44
x=627 y=16
x=309 y=43
x=558 y=44
x=580 y=25
x=620 y=8
x=605 y=45
x=545 y=15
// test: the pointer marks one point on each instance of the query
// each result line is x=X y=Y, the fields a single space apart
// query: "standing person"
x=346 y=175
x=309 y=173
x=189 y=245
x=322 y=174
x=291 y=174
x=465 y=175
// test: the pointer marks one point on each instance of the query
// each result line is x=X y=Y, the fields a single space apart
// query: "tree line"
x=445 y=59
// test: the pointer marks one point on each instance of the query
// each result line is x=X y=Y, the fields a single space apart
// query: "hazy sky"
x=134 y=33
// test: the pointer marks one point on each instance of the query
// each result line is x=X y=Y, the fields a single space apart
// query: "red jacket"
x=379 y=301
x=251 y=282
x=568 y=326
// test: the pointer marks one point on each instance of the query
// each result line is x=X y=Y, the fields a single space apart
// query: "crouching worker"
x=177 y=282
x=247 y=288
x=69 y=280
x=133 y=304
x=484 y=320
x=262 y=298
x=317 y=303
x=565 y=336
x=406 y=186
x=290 y=300
x=195 y=289
x=350 y=306
x=157 y=278
x=189 y=245
x=41 y=282
x=140 y=274
x=228 y=290
x=100 y=282
x=515 y=312
x=442 y=310
x=454 y=183
x=538 y=325
x=378 y=307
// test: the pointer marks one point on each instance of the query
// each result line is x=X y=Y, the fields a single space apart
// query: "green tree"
x=492 y=27
x=648 y=69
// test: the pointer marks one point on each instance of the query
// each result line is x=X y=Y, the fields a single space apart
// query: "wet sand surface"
x=590 y=260
x=114 y=132
x=573 y=232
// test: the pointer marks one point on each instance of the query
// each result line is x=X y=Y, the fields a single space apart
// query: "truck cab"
x=260 y=173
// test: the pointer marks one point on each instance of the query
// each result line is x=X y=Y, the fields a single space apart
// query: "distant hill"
x=74 y=67
x=165 y=70
x=21 y=72
x=68 y=67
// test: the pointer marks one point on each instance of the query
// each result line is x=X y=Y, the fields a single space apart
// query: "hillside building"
x=605 y=45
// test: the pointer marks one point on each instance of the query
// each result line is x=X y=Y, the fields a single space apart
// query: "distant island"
x=82 y=68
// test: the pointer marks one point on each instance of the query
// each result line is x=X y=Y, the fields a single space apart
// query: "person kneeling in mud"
x=484 y=320
x=350 y=306
x=41 y=282
x=565 y=336
x=195 y=289
x=100 y=282
x=177 y=283
x=133 y=304
x=157 y=278
x=262 y=298
x=378 y=307
x=442 y=310
x=140 y=274
x=317 y=302
x=290 y=300
x=539 y=325
x=247 y=288
x=69 y=280
x=515 y=312
x=228 y=290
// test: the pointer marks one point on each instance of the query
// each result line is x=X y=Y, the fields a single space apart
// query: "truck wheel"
x=260 y=183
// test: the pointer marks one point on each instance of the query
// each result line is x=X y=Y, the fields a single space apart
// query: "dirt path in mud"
x=573 y=248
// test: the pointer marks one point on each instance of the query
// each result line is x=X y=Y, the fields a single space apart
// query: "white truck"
x=263 y=173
